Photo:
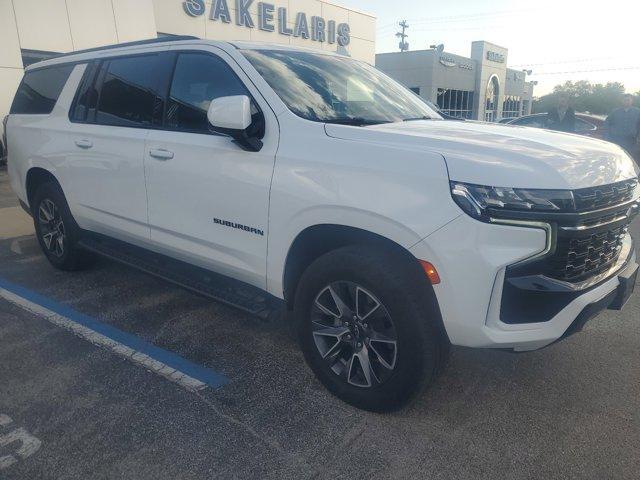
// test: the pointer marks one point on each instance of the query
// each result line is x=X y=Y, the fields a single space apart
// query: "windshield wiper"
x=355 y=121
x=415 y=119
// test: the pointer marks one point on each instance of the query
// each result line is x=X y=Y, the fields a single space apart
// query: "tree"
x=597 y=98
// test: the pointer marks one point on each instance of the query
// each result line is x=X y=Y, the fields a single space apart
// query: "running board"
x=205 y=282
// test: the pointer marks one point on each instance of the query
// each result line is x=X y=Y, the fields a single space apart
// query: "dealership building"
x=35 y=30
x=480 y=87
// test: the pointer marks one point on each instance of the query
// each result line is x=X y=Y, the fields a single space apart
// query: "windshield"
x=332 y=89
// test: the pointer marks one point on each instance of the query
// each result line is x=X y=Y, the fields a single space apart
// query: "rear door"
x=116 y=106
x=209 y=198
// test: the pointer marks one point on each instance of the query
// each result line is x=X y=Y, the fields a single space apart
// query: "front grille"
x=588 y=245
x=590 y=240
x=594 y=198
x=581 y=255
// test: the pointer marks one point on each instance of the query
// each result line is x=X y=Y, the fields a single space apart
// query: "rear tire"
x=380 y=320
x=57 y=232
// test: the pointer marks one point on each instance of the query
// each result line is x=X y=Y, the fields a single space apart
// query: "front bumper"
x=473 y=260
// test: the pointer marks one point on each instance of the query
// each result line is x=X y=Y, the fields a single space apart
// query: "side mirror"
x=232 y=116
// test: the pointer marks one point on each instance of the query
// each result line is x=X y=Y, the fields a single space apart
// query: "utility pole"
x=404 y=46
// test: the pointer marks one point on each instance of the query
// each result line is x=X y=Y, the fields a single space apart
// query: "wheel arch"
x=35 y=177
x=317 y=240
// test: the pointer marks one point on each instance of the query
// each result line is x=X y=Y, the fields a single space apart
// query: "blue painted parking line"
x=158 y=360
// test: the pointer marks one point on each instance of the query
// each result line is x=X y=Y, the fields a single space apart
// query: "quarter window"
x=198 y=79
x=39 y=90
x=128 y=96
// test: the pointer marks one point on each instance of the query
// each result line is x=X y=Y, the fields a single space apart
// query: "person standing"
x=563 y=117
x=623 y=126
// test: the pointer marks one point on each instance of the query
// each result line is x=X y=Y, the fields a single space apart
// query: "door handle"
x=161 y=154
x=86 y=144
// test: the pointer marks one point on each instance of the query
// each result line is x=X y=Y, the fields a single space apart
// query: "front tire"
x=56 y=230
x=365 y=329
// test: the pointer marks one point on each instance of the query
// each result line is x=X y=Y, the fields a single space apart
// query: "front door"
x=208 y=199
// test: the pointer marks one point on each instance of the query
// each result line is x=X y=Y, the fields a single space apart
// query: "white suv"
x=314 y=182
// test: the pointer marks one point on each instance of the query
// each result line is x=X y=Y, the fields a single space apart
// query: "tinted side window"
x=128 y=95
x=39 y=90
x=198 y=79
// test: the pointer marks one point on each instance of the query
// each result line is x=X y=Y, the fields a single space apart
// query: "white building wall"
x=43 y=25
x=86 y=33
x=134 y=20
x=10 y=58
x=68 y=25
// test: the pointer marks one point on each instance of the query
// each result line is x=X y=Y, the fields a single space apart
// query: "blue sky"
x=558 y=39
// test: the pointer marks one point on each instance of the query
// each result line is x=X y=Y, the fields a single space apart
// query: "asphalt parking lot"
x=73 y=408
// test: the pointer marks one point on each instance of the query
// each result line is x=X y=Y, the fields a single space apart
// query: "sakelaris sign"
x=317 y=28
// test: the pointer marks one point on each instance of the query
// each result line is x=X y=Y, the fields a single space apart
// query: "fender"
x=360 y=219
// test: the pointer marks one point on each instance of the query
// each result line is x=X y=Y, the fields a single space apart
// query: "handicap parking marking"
x=173 y=367
x=18 y=439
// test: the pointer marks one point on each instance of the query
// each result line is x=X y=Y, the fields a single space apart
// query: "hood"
x=504 y=155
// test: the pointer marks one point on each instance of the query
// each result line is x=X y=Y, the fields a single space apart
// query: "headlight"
x=481 y=201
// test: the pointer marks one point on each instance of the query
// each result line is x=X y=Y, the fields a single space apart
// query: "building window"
x=512 y=107
x=415 y=90
x=457 y=103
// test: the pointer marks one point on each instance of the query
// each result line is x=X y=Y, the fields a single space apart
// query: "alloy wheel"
x=52 y=227
x=354 y=334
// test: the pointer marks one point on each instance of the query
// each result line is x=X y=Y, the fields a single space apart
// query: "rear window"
x=39 y=90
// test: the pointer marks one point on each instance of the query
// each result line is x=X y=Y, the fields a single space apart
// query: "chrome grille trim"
x=594 y=198
x=581 y=228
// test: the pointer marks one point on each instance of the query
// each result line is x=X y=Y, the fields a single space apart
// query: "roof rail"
x=151 y=41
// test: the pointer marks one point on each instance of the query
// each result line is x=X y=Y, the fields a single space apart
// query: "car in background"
x=587 y=125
